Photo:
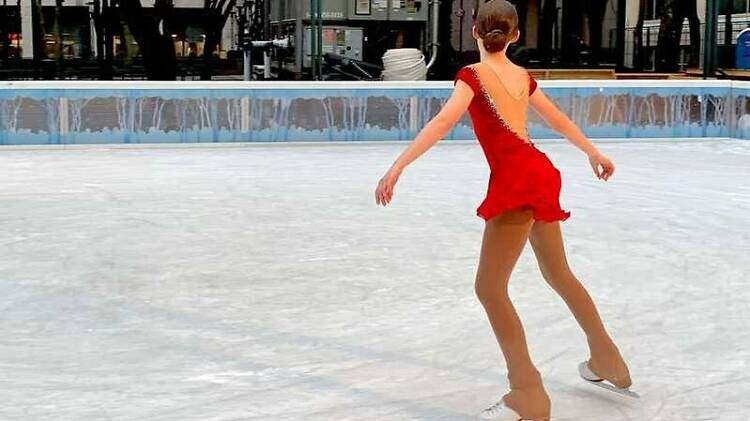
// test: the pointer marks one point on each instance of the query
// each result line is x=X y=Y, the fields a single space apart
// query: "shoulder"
x=468 y=74
x=532 y=81
x=468 y=70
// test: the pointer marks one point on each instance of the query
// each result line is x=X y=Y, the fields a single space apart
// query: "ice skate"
x=500 y=412
x=590 y=377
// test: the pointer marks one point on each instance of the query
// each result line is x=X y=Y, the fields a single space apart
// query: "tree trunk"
x=111 y=21
x=727 y=49
x=213 y=37
x=547 y=25
x=216 y=15
x=691 y=12
x=153 y=37
x=447 y=55
x=673 y=15
x=38 y=30
x=522 y=7
x=670 y=30
x=99 y=28
x=56 y=31
x=572 y=26
x=638 y=51
x=595 y=10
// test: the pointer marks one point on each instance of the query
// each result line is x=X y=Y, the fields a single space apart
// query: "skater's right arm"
x=559 y=122
x=437 y=127
x=430 y=134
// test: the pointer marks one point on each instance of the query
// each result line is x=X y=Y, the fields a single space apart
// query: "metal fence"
x=650 y=37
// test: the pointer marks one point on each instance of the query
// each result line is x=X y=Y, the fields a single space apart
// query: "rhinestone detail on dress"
x=493 y=106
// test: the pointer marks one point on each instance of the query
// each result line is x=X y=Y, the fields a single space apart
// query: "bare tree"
x=215 y=17
x=673 y=14
x=638 y=52
x=154 y=39
x=595 y=10
x=547 y=25
x=37 y=22
x=575 y=14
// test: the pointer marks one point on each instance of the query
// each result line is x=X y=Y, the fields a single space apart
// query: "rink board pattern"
x=33 y=113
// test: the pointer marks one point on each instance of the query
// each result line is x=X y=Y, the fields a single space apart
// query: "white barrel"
x=404 y=64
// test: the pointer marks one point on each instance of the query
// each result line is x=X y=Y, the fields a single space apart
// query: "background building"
x=167 y=39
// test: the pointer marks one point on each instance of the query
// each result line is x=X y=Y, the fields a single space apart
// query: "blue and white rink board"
x=85 y=112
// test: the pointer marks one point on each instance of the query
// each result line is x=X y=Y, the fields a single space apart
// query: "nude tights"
x=502 y=243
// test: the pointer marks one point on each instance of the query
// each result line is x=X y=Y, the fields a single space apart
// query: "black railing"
x=650 y=40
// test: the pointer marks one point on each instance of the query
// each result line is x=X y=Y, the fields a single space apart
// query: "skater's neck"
x=499 y=58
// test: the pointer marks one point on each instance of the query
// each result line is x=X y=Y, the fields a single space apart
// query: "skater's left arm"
x=432 y=132
x=561 y=123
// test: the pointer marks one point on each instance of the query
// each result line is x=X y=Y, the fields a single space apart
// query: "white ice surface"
x=263 y=283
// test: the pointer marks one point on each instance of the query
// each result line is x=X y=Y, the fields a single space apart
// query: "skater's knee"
x=489 y=292
x=559 y=278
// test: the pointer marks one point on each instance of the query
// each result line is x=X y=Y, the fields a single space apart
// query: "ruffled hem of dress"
x=540 y=212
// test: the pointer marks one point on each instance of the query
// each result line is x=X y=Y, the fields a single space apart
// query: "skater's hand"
x=599 y=159
x=384 y=192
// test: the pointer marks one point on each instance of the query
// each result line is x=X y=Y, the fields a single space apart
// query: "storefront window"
x=189 y=41
x=74 y=32
x=14 y=45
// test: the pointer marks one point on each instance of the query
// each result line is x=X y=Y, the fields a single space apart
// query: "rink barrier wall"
x=128 y=112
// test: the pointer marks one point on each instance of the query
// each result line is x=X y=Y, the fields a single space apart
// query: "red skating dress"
x=521 y=176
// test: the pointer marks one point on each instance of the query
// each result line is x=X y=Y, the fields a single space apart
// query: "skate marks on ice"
x=264 y=282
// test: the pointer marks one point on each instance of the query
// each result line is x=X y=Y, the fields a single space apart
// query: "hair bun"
x=495 y=40
x=496 y=22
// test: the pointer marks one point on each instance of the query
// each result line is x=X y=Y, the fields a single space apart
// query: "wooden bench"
x=738 y=74
x=573 y=73
x=652 y=76
x=611 y=74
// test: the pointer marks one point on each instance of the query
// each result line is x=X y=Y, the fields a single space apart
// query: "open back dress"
x=521 y=176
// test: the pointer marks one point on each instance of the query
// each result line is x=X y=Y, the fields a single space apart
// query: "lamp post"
x=316 y=38
x=709 y=37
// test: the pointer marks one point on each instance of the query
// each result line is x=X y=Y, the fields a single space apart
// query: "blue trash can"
x=742 y=60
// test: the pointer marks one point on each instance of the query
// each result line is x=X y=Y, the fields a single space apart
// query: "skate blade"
x=604 y=385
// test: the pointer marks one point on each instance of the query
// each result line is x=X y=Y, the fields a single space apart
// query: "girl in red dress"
x=522 y=202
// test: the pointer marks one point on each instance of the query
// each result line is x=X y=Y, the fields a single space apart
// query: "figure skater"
x=522 y=202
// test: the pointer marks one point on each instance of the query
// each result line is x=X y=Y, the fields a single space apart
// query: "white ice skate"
x=590 y=377
x=499 y=412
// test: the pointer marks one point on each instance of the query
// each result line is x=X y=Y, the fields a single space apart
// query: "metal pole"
x=267 y=64
x=313 y=39
x=247 y=49
x=435 y=35
x=461 y=15
x=620 y=40
x=319 y=39
x=709 y=39
x=247 y=61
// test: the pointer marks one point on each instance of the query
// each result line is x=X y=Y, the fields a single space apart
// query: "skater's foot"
x=607 y=363
x=530 y=403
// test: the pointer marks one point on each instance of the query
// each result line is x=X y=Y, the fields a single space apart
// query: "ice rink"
x=264 y=283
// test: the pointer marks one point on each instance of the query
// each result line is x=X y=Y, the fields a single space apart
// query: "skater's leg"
x=547 y=243
x=502 y=243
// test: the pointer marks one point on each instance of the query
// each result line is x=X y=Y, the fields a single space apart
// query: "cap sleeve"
x=467 y=75
x=532 y=84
